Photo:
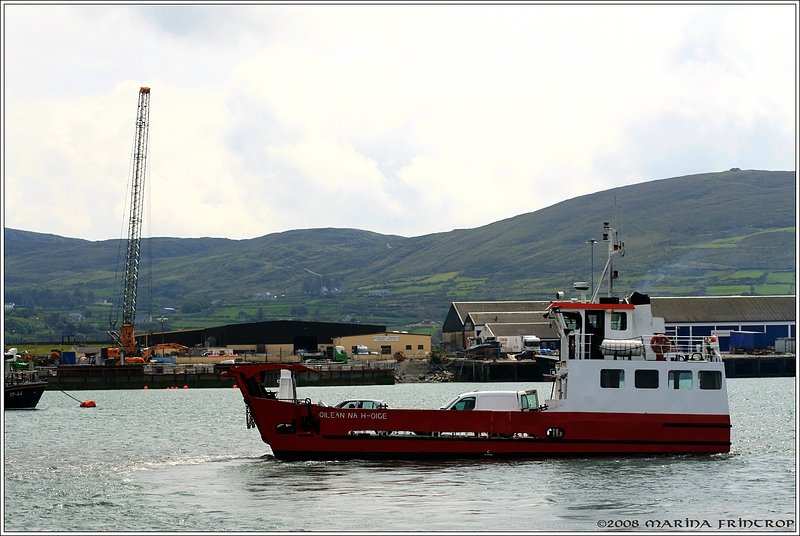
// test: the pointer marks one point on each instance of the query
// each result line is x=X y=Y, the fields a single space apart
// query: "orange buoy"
x=235 y=386
x=185 y=386
x=145 y=388
x=88 y=404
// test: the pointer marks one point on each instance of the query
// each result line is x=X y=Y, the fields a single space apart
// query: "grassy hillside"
x=711 y=234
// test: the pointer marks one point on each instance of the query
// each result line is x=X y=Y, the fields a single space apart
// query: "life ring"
x=660 y=344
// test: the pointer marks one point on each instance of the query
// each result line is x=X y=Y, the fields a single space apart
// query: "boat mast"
x=615 y=247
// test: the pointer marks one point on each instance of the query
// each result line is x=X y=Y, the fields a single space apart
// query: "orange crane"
x=125 y=339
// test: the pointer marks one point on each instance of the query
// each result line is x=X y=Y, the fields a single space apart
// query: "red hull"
x=314 y=432
x=302 y=430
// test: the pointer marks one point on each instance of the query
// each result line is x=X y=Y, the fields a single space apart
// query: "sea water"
x=183 y=460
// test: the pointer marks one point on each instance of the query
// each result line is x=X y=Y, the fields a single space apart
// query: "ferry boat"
x=622 y=387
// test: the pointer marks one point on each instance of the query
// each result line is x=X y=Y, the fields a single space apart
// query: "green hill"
x=724 y=233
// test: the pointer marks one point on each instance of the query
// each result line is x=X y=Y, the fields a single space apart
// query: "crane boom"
x=131 y=279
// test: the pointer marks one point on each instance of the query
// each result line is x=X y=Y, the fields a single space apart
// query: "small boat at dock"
x=23 y=384
x=621 y=387
x=479 y=348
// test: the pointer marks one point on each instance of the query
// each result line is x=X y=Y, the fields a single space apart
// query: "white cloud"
x=397 y=119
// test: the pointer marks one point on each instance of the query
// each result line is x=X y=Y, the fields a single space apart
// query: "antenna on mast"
x=615 y=247
x=618 y=220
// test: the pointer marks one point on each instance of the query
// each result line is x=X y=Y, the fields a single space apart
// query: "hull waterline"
x=23 y=396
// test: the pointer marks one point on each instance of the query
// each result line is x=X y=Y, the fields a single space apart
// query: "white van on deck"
x=496 y=401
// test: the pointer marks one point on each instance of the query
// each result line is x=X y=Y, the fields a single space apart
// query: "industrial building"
x=281 y=339
x=386 y=345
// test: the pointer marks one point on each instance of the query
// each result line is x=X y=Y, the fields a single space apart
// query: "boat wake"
x=155 y=465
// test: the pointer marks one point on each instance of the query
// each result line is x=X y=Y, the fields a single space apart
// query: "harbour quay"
x=86 y=377
x=89 y=377
x=760 y=366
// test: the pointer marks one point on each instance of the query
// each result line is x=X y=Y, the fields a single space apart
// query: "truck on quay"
x=748 y=342
x=515 y=344
x=337 y=354
x=361 y=349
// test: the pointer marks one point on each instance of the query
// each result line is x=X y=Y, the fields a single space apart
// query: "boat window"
x=572 y=321
x=619 y=321
x=646 y=379
x=465 y=404
x=680 y=379
x=710 y=379
x=612 y=378
x=530 y=399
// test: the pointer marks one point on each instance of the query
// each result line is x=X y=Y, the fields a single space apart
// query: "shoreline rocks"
x=421 y=371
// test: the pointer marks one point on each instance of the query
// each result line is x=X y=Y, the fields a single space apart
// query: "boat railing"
x=17 y=377
x=691 y=348
x=656 y=347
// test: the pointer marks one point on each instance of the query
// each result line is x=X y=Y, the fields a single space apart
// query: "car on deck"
x=362 y=404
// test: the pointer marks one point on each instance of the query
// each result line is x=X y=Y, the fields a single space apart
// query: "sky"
x=399 y=119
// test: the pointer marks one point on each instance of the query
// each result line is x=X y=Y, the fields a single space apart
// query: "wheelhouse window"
x=572 y=321
x=529 y=400
x=709 y=379
x=680 y=379
x=619 y=320
x=612 y=378
x=646 y=379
